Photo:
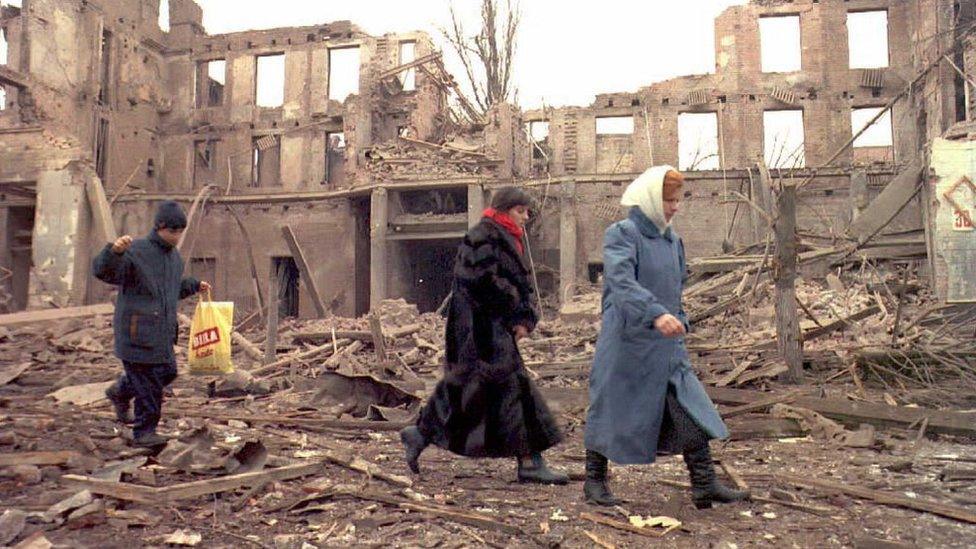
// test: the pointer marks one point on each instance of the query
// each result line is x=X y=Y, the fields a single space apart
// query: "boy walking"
x=149 y=273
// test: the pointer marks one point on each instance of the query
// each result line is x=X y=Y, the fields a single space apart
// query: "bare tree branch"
x=487 y=56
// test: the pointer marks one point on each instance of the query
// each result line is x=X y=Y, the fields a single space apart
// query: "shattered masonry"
x=376 y=178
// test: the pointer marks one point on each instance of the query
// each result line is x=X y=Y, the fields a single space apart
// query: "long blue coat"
x=644 y=272
x=150 y=279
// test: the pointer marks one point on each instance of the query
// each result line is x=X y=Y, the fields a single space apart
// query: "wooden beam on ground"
x=840 y=323
x=298 y=357
x=845 y=411
x=760 y=405
x=308 y=422
x=304 y=270
x=49 y=315
x=37 y=458
x=101 y=211
x=186 y=490
x=455 y=515
x=878 y=496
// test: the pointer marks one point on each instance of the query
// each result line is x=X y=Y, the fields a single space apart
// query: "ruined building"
x=338 y=162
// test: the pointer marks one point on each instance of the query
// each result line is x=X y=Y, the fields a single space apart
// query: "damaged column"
x=567 y=241
x=378 y=214
x=60 y=241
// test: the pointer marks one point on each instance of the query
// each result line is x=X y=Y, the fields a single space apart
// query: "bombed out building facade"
x=336 y=169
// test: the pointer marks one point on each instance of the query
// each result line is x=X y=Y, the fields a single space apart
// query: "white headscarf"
x=647 y=193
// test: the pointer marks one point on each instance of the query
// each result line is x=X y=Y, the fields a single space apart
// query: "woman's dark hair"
x=507 y=198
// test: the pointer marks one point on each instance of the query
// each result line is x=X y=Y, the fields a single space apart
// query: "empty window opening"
x=698 y=141
x=101 y=149
x=265 y=161
x=286 y=271
x=867 y=39
x=614 y=125
x=343 y=73
x=211 y=76
x=879 y=134
x=204 y=162
x=164 y=15
x=783 y=139
x=876 y=143
x=335 y=159
x=105 y=68
x=3 y=47
x=779 y=43
x=407 y=54
x=539 y=137
x=270 y=80
x=3 y=98
x=434 y=202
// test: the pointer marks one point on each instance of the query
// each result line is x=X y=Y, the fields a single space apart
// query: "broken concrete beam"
x=48 y=315
x=37 y=458
x=888 y=203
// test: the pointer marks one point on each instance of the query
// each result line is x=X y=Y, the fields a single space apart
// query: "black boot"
x=150 y=440
x=537 y=471
x=414 y=443
x=595 y=489
x=122 y=412
x=705 y=489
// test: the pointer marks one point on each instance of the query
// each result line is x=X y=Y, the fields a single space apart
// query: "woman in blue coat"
x=644 y=397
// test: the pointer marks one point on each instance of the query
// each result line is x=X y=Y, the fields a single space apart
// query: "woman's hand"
x=668 y=325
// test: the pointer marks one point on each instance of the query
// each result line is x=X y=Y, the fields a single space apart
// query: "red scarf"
x=508 y=224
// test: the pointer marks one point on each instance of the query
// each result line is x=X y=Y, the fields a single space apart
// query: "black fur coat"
x=486 y=405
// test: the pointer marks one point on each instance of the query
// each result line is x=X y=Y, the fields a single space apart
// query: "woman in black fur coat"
x=486 y=405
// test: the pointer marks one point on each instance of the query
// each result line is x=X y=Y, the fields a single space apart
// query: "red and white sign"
x=206 y=338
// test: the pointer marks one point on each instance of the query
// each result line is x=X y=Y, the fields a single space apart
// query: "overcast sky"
x=568 y=52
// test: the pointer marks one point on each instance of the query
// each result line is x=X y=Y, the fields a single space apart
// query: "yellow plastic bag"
x=210 y=350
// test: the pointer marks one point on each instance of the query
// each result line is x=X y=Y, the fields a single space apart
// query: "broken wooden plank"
x=376 y=329
x=11 y=372
x=59 y=457
x=186 y=490
x=82 y=395
x=759 y=405
x=304 y=270
x=119 y=490
x=369 y=469
x=48 y=315
x=840 y=323
x=308 y=422
x=619 y=525
x=101 y=211
x=275 y=367
x=464 y=517
x=878 y=496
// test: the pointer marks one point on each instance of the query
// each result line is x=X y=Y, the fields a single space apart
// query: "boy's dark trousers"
x=144 y=383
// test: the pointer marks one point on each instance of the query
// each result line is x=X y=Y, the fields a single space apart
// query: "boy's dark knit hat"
x=507 y=198
x=170 y=215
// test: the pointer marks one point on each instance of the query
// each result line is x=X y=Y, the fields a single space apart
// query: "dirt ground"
x=318 y=510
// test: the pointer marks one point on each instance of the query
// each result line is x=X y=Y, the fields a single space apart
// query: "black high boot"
x=595 y=489
x=122 y=412
x=705 y=489
x=414 y=443
x=537 y=471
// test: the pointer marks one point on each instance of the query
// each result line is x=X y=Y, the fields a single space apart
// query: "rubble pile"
x=411 y=159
